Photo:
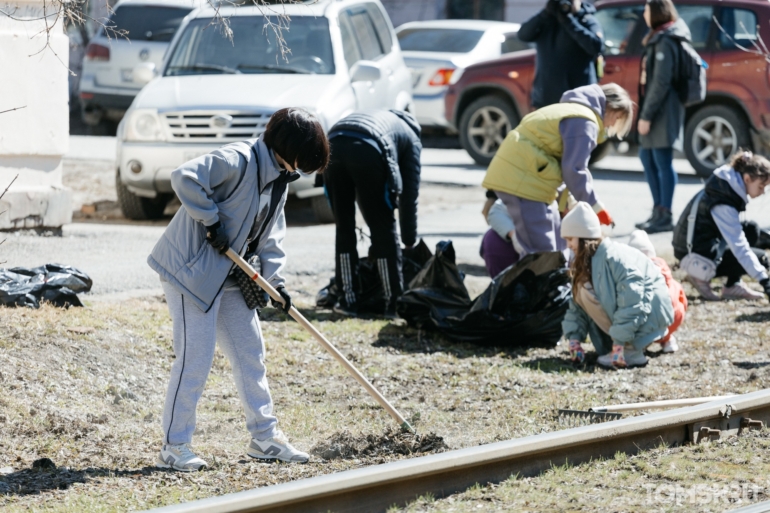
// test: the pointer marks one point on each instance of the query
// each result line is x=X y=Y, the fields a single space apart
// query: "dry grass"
x=85 y=387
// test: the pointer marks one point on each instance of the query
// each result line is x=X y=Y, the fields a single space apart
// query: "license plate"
x=127 y=75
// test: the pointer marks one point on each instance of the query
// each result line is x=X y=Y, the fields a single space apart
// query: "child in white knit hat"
x=619 y=296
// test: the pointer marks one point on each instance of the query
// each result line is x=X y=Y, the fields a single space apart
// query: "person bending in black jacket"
x=375 y=160
x=569 y=39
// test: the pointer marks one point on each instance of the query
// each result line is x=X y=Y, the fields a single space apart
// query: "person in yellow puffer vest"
x=549 y=149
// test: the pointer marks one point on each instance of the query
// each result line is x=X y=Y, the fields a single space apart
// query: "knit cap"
x=581 y=222
x=641 y=241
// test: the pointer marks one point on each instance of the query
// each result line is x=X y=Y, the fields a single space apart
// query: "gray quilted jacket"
x=220 y=186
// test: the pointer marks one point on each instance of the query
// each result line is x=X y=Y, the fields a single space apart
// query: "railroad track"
x=378 y=487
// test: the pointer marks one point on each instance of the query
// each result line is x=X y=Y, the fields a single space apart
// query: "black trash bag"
x=437 y=292
x=55 y=283
x=524 y=305
x=370 y=297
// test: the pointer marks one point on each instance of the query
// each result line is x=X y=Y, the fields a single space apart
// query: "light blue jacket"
x=220 y=186
x=631 y=290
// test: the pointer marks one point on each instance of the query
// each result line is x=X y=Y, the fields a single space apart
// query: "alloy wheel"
x=713 y=141
x=487 y=129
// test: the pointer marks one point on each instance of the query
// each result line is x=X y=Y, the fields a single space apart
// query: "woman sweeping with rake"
x=232 y=197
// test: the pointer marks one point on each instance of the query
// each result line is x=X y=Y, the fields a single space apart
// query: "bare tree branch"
x=11 y=110
x=758 y=51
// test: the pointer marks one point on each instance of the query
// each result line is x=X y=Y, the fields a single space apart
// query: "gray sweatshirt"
x=579 y=137
x=728 y=221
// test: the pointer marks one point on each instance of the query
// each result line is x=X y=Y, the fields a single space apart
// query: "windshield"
x=147 y=22
x=203 y=49
x=439 y=40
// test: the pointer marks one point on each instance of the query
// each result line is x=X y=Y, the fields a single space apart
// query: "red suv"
x=491 y=97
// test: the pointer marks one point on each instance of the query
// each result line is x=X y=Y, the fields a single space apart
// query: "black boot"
x=664 y=222
x=644 y=224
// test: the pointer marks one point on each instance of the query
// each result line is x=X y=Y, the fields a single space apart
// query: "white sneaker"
x=703 y=288
x=180 y=457
x=633 y=358
x=741 y=291
x=671 y=346
x=276 y=448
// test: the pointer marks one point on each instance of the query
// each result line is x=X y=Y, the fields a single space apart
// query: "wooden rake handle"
x=297 y=316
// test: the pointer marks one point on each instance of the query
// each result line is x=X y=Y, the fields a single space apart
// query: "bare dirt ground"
x=84 y=388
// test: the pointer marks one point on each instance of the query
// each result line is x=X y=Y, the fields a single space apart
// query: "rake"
x=599 y=414
x=297 y=316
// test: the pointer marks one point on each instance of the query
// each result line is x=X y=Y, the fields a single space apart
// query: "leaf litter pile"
x=346 y=446
x=85 y=388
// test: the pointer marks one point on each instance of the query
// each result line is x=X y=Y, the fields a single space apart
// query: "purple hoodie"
x=579 y=137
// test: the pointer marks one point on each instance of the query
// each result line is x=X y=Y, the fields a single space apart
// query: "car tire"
x=715 y=121
x=322 y=209
x=136 y=207
x=483 y=126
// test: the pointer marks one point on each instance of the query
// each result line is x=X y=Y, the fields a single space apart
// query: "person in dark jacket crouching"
x=376 y=161
x=569 y=40
x=233 y=198
x=718 y=233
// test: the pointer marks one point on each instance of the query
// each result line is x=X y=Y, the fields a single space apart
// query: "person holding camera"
x=569 y=41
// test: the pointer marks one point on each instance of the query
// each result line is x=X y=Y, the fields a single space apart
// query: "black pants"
x=357 y=172
x=730 y=267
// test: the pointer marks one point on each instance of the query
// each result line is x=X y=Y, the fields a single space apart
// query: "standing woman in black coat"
x=661 y=113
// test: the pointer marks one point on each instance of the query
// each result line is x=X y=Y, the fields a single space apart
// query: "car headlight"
x=144 y=125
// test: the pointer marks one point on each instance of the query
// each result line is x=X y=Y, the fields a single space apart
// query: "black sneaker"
x=664 y=223
x=343 y=308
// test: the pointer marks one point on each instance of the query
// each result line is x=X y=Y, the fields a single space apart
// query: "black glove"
x=217 y=237
x=286 y=297
x=766 y=286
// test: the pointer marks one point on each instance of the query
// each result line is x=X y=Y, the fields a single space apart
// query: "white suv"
x=107 y=86
x=212 y=91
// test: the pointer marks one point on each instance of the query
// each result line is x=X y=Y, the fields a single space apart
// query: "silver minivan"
x=138 y=31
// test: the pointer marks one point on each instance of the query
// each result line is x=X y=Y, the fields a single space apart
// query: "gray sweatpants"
x=196 y=333
x=537 y=225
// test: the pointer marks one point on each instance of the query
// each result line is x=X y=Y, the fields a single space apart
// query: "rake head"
x=577 y=418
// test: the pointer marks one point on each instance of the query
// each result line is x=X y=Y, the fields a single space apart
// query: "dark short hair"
x=661 y=12
x=298 y=137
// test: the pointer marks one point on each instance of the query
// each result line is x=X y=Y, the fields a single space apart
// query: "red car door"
x=623 y=27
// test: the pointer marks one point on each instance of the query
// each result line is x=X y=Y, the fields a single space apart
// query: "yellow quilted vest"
x=528 y=163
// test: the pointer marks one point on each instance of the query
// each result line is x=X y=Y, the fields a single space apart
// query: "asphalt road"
x=114 y=254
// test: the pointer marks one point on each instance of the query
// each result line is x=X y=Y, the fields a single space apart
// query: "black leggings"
x=730 y=267
x=357 y=172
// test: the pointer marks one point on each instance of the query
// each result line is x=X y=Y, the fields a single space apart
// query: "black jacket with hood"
x=658 y=99
x=397 y=134
x=567 y=48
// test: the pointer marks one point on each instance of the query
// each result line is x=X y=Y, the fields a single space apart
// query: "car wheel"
x=713 y=134
x=322 y=209
x=136 y=207
x=483 y=126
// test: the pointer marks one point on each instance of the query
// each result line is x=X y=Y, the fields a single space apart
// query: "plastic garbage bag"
x=370 y=294
x=55 y=283
x=524 y=304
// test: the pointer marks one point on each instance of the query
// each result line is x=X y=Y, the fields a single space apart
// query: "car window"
x=739 y=27
x=698 y=19
x=382 y=27
x=146 y=23
x=202 y=49
x=439 y=40
x=512 y=43
x=620 y=24
x=365 y=35
x=349 y=45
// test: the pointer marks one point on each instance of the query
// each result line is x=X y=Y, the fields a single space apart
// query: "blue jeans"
x=659 y=170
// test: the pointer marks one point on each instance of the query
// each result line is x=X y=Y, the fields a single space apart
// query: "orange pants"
x=678 y=299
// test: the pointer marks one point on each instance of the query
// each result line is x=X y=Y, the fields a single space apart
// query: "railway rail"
x=378 y=487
